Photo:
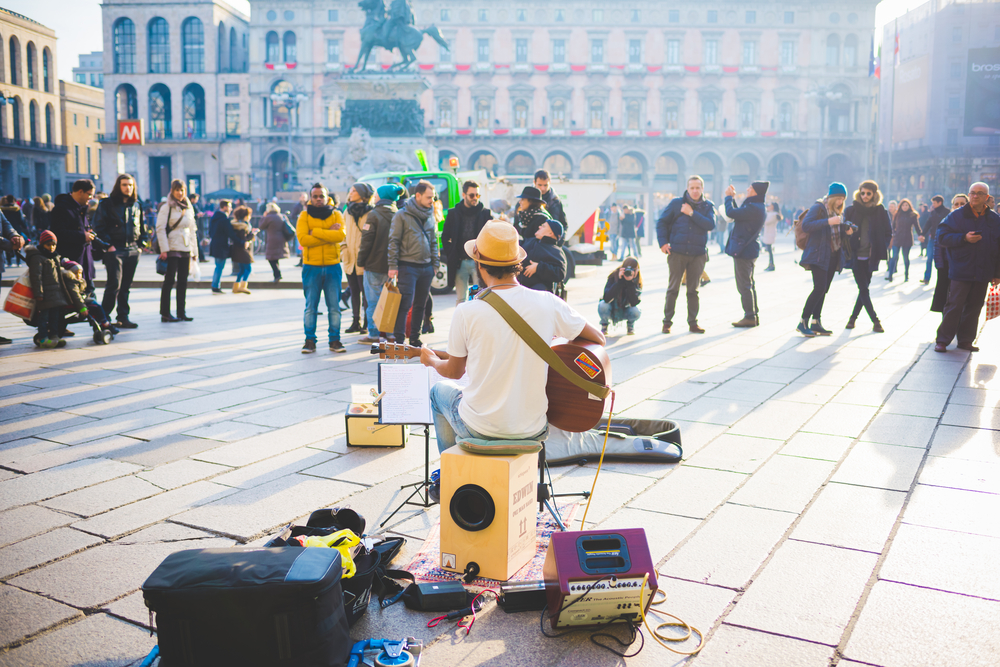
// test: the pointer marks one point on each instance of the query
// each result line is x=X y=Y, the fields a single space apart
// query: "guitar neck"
x=401 y=351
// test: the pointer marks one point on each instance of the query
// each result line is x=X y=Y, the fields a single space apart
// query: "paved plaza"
x=838 y=504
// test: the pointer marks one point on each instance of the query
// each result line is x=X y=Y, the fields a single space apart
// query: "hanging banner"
x=982 y=90
x=909 y=112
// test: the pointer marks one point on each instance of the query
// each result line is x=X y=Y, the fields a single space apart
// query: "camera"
x=628 y=271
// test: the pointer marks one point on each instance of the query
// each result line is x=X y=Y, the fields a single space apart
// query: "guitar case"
x=638 y=440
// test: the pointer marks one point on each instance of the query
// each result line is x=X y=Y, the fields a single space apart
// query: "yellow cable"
x=677 y=623
x=600 y=462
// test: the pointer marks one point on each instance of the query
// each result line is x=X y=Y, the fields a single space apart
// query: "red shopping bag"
x=20 y=300
x=993 y=302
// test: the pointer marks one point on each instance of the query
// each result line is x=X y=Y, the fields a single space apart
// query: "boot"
x=243 y=287
x=236 y=287
x=817 y=327
x=355 y=327
x=877 y=327
x=803 y=328
x=851 y=323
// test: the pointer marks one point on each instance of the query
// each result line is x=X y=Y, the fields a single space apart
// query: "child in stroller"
x=83 y=302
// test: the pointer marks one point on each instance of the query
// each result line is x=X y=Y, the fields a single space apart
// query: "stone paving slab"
x=103 y=497
x=33 y=614
x=880 y=466
x=960 y=474
x=97 y=641
x=954 y=509
x=739 y=647
x=854 y=517
x=43 y=548
x=27 y=520
x=784 y=483
x=817 y=446
x=689 y=491
x=734 y=453
x=59 y=480
x=107 y=448
x=181 y=473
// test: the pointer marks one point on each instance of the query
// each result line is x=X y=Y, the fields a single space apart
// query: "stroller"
x=101 y=336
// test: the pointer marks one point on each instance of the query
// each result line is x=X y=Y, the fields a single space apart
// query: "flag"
x=895 y=52
x=871 y=59
x=878 y=63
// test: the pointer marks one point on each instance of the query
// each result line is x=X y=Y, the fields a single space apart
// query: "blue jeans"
x=373 y=290
x=220 y=264
x=626 y=243
x=244 y=273
x=465 y=278
x=414 y=287
x=325 y=279
x=50 y=323
x=448 y=424
x=632 y=313
x=613 y=244
x=894 y=260
x=930 y=259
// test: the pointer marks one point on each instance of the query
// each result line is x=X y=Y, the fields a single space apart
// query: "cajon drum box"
x=488 y=514
x=363 y=429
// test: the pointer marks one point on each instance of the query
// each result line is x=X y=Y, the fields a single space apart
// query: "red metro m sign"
x=130 y=132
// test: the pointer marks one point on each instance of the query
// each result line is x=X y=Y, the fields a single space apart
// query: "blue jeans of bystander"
x=325 y=280
x=373 y=290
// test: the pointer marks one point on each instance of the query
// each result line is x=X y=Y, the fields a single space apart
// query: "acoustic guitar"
x=570 y=408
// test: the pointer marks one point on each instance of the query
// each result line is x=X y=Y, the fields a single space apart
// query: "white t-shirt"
x=505 y=397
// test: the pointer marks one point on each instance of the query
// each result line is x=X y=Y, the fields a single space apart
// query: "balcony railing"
x=159 y=138
x=35 y=145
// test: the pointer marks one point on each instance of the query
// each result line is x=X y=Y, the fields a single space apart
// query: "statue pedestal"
x=375 y=86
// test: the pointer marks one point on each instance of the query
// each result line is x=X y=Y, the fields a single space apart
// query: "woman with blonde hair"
x=274 y=224
x=176 y=233
x=823 y=254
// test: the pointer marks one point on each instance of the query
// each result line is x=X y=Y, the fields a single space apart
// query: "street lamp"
x=291 y=100
x=824 y=96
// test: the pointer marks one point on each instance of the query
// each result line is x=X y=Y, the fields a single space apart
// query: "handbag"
x=20 y=300
x=993 y=302
x=161 y=266
x=286 y=230
x=387 y=308
x=155 y=245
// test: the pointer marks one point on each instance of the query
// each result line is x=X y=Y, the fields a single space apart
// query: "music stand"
x=546 y=491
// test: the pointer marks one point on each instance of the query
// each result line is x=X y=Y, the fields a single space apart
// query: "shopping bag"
x=993 y=302
x=20 y=300
x=387 y=308
x=194 y=269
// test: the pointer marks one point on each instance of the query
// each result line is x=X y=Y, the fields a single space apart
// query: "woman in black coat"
x=868 y=247
x=118 y=222
x=545 y=264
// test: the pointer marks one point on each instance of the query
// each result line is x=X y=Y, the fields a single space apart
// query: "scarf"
x=319 y=212
x=358 y=210
x=181 y=204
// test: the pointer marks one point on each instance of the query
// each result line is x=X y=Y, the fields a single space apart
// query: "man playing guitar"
x=505 y=395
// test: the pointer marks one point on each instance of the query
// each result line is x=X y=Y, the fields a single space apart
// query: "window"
x=74 y=120
x=445 y=14
x=159 y=46
x=76 y=159
x=633 y=115
x=560 y=15
x=123 y=44
x=333 y=50
x=446 y=111
x=636 y=16
x=558 y=114
x=14 y=60
x=16 y=116
x=708 y=113
x=597 y=50
x=833 y=50
x=193 y=45
x=272 y=15
x=288 y=42
x=953 y=103
x=273 y=50
x=483 y=50
x=89 y=170
x=956 y=35
x=558 y=50
x=851 y=51
x=233 y=55
x=751 y=16
x=596 y=115
x=159 y=112
x=835 y=18
x=80 y=78
x=746 y=116
x=671 y=117
x=233 y=181
x=788 y=53
x=232 y=120
x=194 y=112
x=674 y=16
x=332 y=15
x=952 y=137
x=30 y=52
x=98 y=123
x=86 y=121
x=789 y=18
x=520 y=16
x=281 y=111
x=289 y=15
x=635 y=51
x=673 y=52
x=444 y=54
x=126 y=103
x=232 y=89
x=598 y=16
x=484 y=15
x=713 y=16
x=785 y=117
x=45 y=70
x=956 y=70
x=521 y=50
x=711 y=52
x=33 y=121
x=521 y=114
x=482 y=114
x=749 y=53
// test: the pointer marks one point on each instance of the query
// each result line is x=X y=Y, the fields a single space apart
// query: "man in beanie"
x=743 y=247
x=373 y=253
x=545 y=264
x=414 y=258
x=823 y=254
x=504 y=398
x=464 y=222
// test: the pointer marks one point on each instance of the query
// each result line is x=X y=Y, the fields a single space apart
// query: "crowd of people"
x=389 y=234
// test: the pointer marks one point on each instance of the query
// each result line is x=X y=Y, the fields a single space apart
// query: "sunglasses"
x=866 y=193
x=472 y=196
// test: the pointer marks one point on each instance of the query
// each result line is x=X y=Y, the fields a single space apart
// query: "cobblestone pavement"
x=838 y=502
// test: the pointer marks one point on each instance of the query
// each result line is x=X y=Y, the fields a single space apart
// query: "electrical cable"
x=677 y=622
x=600 y=462
x=632 y=626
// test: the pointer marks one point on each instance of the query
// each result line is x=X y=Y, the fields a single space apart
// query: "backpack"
x=801 y=236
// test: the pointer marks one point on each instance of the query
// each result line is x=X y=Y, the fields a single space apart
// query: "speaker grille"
x=472 y=508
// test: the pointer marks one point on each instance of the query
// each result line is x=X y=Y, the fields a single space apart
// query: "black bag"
x=287 y=231
x=161 y=266
x=249 y=608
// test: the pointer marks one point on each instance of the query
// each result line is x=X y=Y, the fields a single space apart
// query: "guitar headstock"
x=394 y=351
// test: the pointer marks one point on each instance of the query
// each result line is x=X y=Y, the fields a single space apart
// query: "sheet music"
x=407 y=397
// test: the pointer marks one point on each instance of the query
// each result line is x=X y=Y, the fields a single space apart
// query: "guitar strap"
x=540 y=347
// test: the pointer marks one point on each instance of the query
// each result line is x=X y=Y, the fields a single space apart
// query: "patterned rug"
x=425 y=565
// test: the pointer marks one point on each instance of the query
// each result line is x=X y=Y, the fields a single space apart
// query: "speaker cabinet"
x=488 y=514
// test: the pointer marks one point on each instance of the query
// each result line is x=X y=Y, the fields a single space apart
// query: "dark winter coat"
x=40 y=219
x=222 y=233
x=626 y=226
x=462 y=224
x=119 y=224
x=686 y=234
x=46 y=278
x=373 y=255
x=973 y=262
x=68 y=221
x=551 y=264
x=818 y=248
x=621 y=292
x=528 y=221
x=13 y=215
x=275 y=245
x=413 y=236
x=874 y=221
x=934 y=219
x=555 y=208
x=903 y=227
x=748 y=221
x=242 y=237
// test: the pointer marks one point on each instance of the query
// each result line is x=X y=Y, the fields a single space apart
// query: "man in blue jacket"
x=682 y=234
x=971 y=238
x=743 y=247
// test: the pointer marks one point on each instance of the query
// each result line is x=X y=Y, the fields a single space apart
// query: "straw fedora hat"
x=496 y=245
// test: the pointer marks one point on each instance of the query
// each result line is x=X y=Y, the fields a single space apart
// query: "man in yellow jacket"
x=320 y=230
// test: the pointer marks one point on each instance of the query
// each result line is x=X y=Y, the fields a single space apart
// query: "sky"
x=78 y=23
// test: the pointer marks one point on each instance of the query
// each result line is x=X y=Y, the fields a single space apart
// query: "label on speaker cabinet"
x=522 y=514
x=610 y=599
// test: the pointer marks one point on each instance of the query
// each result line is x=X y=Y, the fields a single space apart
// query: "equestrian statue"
x=392 y=30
